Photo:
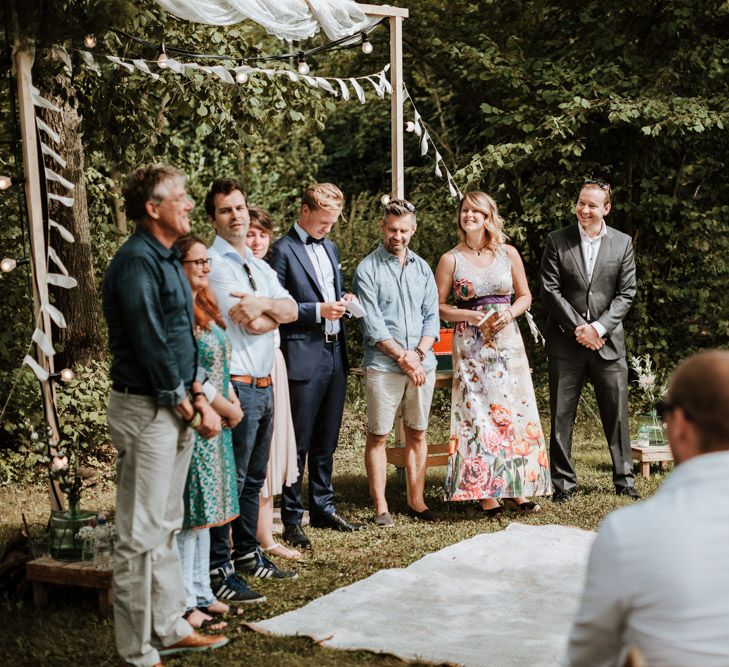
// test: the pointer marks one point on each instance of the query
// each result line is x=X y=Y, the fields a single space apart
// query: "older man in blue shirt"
x=154 y=405
x=398 y=292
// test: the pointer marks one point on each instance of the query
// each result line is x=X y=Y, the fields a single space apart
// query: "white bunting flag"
x=424 y=144
x=47 y=150
x=41 y=340
x=66 y=201
x=40 y=101
x=358 y=90
x=143 y=67
x=53 y=176
x=52 y=134
x=119 y=61
x=57 y=260
x=344 y=89
x=223 y=74
x=438 y=158
x=67 y=282
x=55 y=314
x=323 y=83
x=90 y=62
x=40 y=373
x=67 y=236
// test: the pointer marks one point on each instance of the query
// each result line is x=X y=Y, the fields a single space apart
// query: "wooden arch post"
x=395 y=15
x=32 y=165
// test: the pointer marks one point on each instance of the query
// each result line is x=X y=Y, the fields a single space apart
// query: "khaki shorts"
x=387 y=391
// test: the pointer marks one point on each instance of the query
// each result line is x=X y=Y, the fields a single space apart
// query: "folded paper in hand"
x=355 y=309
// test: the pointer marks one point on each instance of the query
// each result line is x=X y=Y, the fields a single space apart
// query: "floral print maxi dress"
x=211 y=493
x=497 y=448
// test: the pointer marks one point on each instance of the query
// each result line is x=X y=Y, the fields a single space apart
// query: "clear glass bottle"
x=102 y=544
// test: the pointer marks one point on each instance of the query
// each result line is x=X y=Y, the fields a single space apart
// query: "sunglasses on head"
x=604 y=185
x=394 y=204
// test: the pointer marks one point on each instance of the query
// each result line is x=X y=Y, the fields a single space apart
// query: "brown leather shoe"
x=195 y=642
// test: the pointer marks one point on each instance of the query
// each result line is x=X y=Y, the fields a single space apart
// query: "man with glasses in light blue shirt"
x=398 y=292
x=253 y=304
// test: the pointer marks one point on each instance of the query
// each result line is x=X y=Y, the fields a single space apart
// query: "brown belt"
x=261 y=383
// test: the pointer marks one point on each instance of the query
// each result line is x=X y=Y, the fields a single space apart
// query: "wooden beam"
x=24 y=56
x=384 y=10
x=397 y=123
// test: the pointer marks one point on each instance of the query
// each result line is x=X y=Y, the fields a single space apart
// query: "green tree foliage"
x=524 y=98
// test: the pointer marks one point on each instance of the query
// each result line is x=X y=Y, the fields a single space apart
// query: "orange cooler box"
x=443 y=350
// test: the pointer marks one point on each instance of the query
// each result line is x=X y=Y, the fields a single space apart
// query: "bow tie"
x=311 y=239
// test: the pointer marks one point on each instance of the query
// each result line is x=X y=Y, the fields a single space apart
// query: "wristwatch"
x=196 y=420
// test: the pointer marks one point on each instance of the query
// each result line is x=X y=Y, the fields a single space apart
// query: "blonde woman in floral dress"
x=497 y=448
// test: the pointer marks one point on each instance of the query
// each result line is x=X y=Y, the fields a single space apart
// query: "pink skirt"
x=283 y=467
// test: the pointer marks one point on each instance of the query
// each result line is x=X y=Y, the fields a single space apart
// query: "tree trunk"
x=82 y=340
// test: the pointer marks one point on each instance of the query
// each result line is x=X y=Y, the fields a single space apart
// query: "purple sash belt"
x=473 y=304
x=486 y=300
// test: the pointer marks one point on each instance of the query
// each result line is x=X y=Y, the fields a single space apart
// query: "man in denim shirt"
x=148 y=308
x=397 y=290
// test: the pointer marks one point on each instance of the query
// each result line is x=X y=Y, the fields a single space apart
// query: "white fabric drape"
x=286 y=19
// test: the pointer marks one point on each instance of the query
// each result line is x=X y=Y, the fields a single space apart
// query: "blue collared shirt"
x=252 y=353
x=148 y=308
x=401 y=302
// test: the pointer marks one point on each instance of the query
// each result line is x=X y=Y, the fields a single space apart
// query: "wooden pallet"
x=45 y=570
x=660 y=454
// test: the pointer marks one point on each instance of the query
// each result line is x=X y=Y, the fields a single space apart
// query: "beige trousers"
x=153 y=455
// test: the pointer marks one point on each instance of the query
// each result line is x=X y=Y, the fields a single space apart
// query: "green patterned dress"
x=211 y=493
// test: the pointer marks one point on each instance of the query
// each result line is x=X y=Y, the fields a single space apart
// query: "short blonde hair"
x=323 y=195
x=494 y=227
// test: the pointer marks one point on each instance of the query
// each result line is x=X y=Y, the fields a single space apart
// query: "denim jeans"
x=251 y=445
x=194 y=547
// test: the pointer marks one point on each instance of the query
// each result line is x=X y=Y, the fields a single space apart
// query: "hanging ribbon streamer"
x=52 y=134
x=53 y=176
x=121 y=63
x=47 y=150
x=358 y=90
x=425 y=143
x=538 y=337
x=42 y=102
x=143 y=67
x=55 y=314
x=60 y=280
x=91 y=63
x=66 y=201
x=57 y=261
x=40 y=373
x=41 y=340
x=67 y=236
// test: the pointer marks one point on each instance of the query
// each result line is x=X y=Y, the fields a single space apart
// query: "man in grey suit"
x=588 y=286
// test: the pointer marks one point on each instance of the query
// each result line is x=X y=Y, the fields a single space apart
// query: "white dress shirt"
x=590 y=248
x=324 y=274
x=252 y=353
x=658 y=576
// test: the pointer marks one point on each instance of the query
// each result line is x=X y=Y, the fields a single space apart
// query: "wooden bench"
x=645 y=455
x=45 y=570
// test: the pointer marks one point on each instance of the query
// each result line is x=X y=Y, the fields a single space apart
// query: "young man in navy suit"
x=314 y=347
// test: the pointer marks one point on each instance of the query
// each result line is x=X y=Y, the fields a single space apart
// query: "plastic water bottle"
x=102 y=544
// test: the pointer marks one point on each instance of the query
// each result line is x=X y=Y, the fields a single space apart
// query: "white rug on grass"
x=498 y=599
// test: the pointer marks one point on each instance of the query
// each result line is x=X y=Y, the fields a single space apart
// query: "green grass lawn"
x=70 y=632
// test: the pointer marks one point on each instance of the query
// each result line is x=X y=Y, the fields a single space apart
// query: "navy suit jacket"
x=302 y=341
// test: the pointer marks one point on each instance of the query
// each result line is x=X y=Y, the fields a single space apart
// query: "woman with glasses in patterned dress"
x=211 y=494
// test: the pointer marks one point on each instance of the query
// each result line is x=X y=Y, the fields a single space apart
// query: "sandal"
x=526 y=506
x=205 y=623
x=492 y=512
x=233 y=610
x=281 y=551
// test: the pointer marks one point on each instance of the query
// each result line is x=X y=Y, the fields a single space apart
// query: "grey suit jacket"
x=572 y=300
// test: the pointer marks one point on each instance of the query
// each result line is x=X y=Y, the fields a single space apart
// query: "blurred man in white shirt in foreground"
x=658 y=575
